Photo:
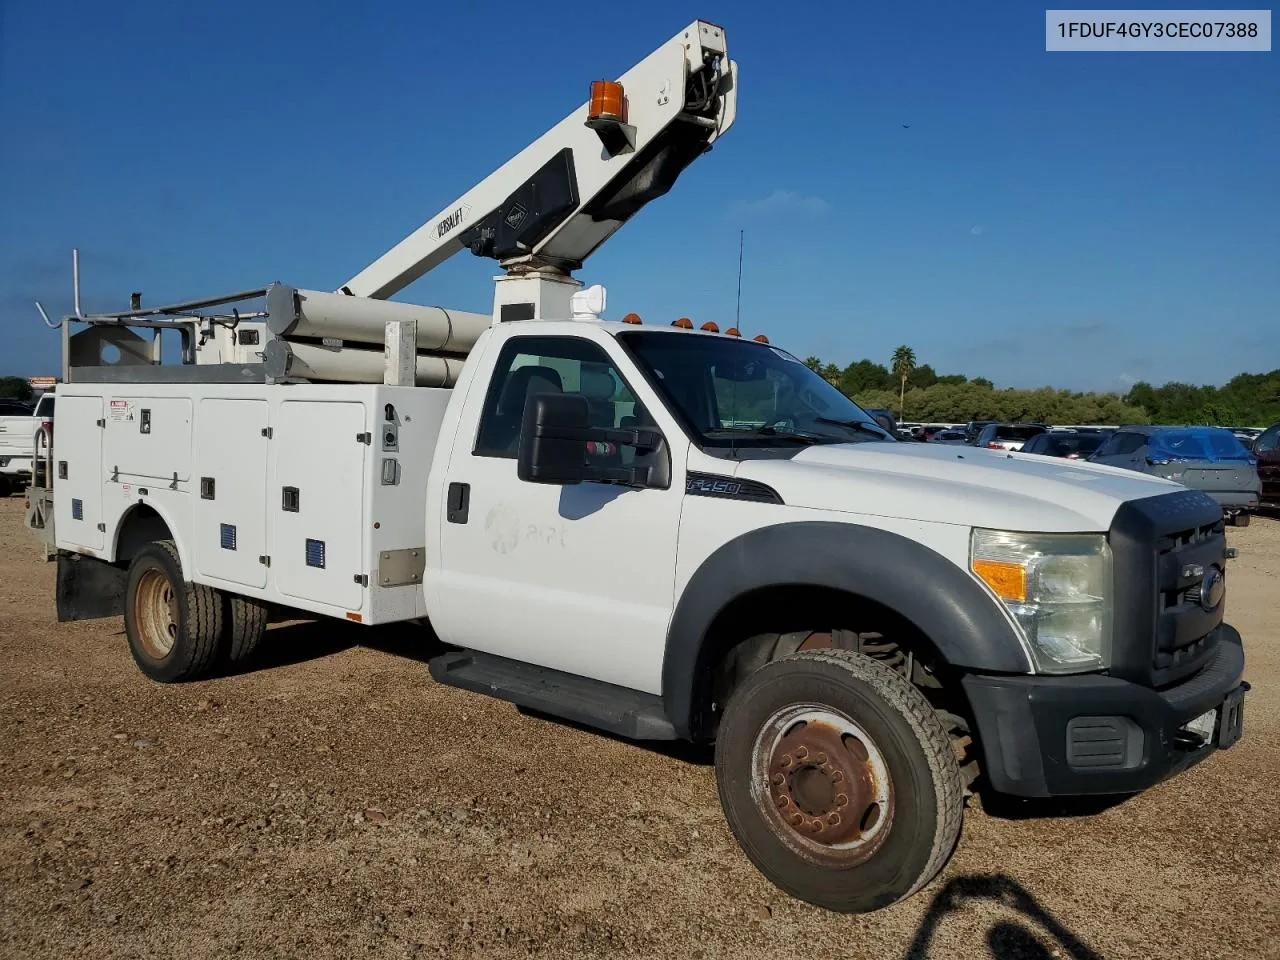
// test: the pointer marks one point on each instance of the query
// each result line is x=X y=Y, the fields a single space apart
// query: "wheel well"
x=140 y=526
x=777 y=620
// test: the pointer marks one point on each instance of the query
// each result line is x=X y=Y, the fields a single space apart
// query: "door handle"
x=459 y=502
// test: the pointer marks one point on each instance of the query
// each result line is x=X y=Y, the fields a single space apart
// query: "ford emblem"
x=1212 y=588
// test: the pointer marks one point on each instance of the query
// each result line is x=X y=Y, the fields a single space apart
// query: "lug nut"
x=816 y=826
x=797 y=820
x=779 y=779
x=837 y=776
x=786 y=760
x=821 y=758
x=783 y=800
x=834 y=819
x=802 y=752
x=841 y=800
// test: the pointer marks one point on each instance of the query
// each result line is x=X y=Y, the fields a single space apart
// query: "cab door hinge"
x=264 y=560
x=362 y=579
x=100 y=423
x=266 y=432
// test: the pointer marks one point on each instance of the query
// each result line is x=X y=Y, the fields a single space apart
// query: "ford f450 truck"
x=657 y=531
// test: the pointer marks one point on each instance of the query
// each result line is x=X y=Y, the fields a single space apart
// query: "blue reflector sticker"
x=315 y=553
x=227 y=535
x=77 y=509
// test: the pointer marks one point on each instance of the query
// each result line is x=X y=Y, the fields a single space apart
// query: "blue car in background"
x=1211 y=459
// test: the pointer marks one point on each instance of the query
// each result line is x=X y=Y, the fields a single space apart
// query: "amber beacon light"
x=607 y=102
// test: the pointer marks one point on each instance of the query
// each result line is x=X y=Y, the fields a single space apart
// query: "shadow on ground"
x=297 y=641
x=1033 y=934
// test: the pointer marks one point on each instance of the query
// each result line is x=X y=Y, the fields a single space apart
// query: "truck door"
x=577 y=578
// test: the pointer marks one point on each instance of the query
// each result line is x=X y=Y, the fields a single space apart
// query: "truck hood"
x=969 y=486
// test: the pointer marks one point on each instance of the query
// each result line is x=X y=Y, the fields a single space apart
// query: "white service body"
x=124 y=446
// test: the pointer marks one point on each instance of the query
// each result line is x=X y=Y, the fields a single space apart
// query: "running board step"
x=593 y=703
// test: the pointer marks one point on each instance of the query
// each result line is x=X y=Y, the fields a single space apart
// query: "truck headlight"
x=1058 y=588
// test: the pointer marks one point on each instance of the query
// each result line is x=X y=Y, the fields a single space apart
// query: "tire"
x=815 y=714
x=5 y=487
x=1241 y=519
x=246 y=623
x=174 y=627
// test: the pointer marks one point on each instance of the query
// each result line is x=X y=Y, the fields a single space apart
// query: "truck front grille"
x=1163 y=548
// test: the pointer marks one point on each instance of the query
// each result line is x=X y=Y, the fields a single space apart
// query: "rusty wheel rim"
x=155 y=611
x=822 y=784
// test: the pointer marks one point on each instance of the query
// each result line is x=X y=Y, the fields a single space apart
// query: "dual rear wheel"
x=179 y=630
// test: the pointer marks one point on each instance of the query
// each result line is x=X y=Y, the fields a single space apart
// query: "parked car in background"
x=1267 y=451
x=975 y=427
x=1202 y=458
x=1008 y=436
x=1071 y=444
x=1245 y=435
x=949 y=436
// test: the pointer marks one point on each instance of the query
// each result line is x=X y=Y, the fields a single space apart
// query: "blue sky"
x=1079 y=220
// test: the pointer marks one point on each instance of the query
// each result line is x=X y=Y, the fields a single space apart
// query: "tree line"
x=923 y=394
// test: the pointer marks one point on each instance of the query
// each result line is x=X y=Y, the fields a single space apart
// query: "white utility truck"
x=659 y=531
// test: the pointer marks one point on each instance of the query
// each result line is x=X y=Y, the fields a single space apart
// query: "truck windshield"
x=730 y=391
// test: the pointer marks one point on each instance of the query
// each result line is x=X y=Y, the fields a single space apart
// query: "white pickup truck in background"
x=19 y=424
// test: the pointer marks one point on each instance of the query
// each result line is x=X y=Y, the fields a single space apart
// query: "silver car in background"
x=1211 y=459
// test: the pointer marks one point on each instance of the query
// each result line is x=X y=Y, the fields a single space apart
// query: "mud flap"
x=89 y=589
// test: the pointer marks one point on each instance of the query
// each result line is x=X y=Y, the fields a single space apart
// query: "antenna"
x=737 y=313
x=75 y=277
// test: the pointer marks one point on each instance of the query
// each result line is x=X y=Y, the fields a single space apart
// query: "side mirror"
x=557 y=444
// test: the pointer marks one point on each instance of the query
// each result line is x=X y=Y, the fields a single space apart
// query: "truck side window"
x=1268 y=441
x=532 y=365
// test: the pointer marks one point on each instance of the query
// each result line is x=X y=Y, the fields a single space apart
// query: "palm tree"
x=904 y=361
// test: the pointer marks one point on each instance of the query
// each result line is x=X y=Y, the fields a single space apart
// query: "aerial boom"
x=565 y=194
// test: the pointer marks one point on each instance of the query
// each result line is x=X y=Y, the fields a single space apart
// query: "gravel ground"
x=333 y=801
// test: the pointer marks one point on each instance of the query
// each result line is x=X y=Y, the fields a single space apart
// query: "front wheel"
x=838 y=780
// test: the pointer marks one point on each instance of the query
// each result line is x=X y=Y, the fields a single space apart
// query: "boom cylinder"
x=310 y=361
x=312 y=313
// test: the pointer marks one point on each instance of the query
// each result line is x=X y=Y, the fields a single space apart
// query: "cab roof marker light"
x=732 y=332
x=632 y=318
x=760 y=338
x=684 y=323
x=710 y=327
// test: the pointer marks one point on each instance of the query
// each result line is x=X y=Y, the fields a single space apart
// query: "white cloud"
x=782 y=203
x=976 y=229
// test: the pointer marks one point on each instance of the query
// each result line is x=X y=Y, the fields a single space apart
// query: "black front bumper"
x=1045 y=736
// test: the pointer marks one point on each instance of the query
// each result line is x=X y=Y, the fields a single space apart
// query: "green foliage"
x=1247 y=400
x=961 y=402
x=15 y=388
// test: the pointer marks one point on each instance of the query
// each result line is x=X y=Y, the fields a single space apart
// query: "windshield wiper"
x=772 y=434
x=860 y=425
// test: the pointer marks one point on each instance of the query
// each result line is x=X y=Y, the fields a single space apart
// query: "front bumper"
x=1047 y=736
x=15 y=466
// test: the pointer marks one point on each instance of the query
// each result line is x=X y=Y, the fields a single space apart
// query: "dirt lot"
x=335 y=802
